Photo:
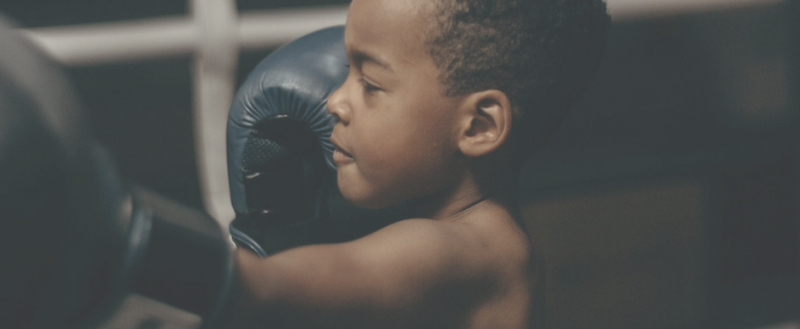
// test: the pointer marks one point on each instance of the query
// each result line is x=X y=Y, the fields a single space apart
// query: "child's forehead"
x=398 y=22
x=408 y=13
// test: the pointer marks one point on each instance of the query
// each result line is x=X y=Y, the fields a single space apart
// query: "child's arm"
x=407 y=274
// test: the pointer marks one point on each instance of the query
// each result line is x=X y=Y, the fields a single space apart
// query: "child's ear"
x=487 y=122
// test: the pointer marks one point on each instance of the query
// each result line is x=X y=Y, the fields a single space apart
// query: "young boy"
x=443 y=101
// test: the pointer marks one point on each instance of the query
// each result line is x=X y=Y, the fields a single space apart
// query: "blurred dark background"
x=669 y=200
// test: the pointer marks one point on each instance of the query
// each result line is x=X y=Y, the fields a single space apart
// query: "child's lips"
x=341 y=157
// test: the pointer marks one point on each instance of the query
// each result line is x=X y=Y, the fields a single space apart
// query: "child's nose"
x=337 y=105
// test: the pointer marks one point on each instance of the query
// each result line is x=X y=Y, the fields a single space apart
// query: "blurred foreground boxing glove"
x=280 y=158
x=74 y=241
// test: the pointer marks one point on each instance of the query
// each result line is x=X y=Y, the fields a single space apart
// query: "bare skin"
x=462 y=273
x=465 y=262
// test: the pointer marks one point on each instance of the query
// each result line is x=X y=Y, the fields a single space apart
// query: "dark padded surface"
x=259 y=152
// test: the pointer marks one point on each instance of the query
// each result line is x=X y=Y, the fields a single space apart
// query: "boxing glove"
x=75 y=241
x=278 y=143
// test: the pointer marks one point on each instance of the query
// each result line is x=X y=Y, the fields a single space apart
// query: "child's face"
x=396 y=133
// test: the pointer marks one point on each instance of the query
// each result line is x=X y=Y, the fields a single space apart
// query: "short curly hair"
x=542 y=53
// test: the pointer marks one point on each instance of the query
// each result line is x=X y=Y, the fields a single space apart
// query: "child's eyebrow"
x=360 y=57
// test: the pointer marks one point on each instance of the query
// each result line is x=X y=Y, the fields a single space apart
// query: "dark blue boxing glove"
x=279 y=150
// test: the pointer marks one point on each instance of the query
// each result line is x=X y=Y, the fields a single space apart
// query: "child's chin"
x=366 y=202
x=363 y=199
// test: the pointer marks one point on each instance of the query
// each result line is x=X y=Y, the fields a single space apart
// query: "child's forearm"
x=301 y=287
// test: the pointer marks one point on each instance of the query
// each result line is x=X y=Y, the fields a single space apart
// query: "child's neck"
x=451 y=203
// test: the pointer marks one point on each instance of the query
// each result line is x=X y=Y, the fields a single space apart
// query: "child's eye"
x=368 y=87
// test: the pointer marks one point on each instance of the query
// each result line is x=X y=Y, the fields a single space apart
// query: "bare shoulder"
x=484 y=255
x=512 y=265
x=480 y=242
